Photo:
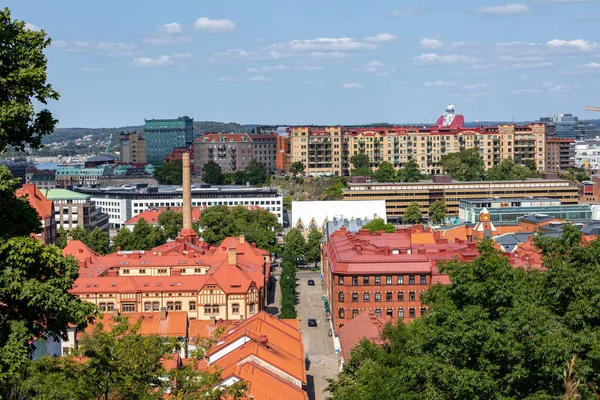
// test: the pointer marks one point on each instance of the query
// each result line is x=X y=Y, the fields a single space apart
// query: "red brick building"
x=385 y=272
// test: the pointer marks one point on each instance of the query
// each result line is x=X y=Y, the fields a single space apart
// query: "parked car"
x=311 y=282
x=312 y=322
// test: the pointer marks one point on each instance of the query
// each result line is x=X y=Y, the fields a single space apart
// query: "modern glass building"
x=163 y=135
x=512 y=214
x=567 y=126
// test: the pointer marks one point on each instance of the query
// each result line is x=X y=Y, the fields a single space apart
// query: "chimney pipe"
x=187 y=192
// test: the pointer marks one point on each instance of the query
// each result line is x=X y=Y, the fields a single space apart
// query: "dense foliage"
x=170 y=173
x=465 y=165
x=413 y=214
x=496 y=332
x=143 y=237
x=438 y=211
x=117 y=362
x=361 y=165
x=509 y=170
x=385 y=173
x=411 y=172
x=17 y=217
x=212 y=174
x=378 y=224
x=297 y=168
x=23 y=84
x=293 y=254
x=171 y=222
x=258 y=226
x=96 y=240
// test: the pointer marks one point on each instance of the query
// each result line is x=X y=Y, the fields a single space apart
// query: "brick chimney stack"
x=188 y=235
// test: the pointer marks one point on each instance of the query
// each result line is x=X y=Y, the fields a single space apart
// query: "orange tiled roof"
x=36 y=199
x=174 y=325
x=151 y=217
x=366 y=325
x=264 y=385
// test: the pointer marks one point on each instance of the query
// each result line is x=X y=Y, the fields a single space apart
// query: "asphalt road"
x=322 y=361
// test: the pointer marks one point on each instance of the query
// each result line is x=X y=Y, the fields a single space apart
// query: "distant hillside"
x=66 y=134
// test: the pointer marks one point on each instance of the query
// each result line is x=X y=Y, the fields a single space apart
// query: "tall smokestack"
x=187 y=193
x=187 y=235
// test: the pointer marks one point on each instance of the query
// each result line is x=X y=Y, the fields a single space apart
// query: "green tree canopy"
x=171 y=222
x=17 y=217
x=385 y=173
x=411 y=172
x=313 y=246
x=123 y=239
x=258 y=226
x=413 y=213
x=256 y=173
x=98 y=241
x=361 y=164
x=509 y=170
x=212 y=173
x=61 y=238
x=438 y=211
x=465 y=165
x=297 y=168
x=170 y=173
x=294 y=246
x=22 y=82
x=496 y=332
x=378 y=224
x=80 y=233
x=34 y=300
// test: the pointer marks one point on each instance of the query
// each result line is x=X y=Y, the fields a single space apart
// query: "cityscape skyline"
x=334 y=62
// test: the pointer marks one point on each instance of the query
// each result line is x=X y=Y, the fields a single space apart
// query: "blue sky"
x=317 y=61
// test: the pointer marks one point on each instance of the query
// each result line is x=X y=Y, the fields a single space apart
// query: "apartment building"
x=328 y=150
x=232 y=151
x=398 y=196
x=385 y=272
x=132 y=148
x=265 y=149
x=560 y=154
x=74 y=209
x=163 y=135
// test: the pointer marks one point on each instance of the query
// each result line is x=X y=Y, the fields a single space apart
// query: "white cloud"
x=324 y=45
x=434 y=58
x=234 y=54
x=32 y=27
x=525 y=77
x=75 y=46
x=407 y=11
x=509 y=9
x=438 y=83
x=559 y=89
x=282 y=67
x=92 y=69
x=521 y=58
x=162 y=61
x=335 y=55
x=477 y=86
x=566 y=1
x=539 y=65
x=525 y=91
x=259 y=79
x=115 y=46
x=214 y=25
x=578 y=44
x=430 y=43
x=352 y=85
x=172 y=27
x=592 y=65
x=381 y=38
x=374 y=64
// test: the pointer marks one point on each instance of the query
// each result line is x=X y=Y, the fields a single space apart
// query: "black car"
x=312 y=322
x=311 y=282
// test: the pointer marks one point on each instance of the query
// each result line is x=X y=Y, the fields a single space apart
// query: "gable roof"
x=36 y=199
x=365 y=325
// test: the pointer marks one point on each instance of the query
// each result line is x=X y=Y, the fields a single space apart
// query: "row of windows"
x=174 y=306
x=389 y=279
x=389 y=296
x=388 y=312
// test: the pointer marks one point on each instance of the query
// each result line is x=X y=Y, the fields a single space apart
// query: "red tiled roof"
x=174 y=325
x=151 y=217
x=264 y=385
x=366 y=325
x=36 y=199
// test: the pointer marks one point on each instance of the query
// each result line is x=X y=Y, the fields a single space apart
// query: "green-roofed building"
x=74 y=209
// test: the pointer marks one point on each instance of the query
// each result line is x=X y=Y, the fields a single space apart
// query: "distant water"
x=47 y=165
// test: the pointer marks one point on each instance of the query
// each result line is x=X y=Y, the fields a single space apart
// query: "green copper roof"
x=63 y=194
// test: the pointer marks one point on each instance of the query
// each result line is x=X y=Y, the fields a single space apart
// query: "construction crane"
x=592 y=109
x=108 y=144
